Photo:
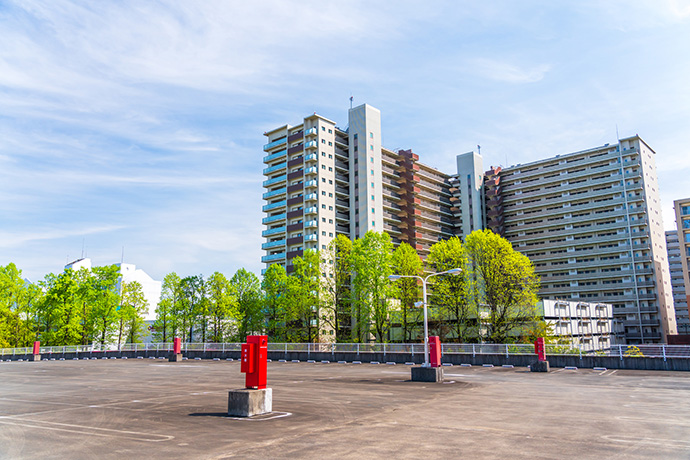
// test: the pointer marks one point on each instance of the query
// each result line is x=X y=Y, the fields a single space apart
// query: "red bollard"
x=37 y=348
x=254 y=361
x=434 y=351
x=539 y=349
x=177 y=345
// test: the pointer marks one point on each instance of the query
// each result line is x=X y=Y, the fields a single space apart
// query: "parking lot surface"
x=153 y=409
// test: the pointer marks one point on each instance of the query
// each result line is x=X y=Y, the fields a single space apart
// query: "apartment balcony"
x=273 y=206
x=273 y=244
x=311 y=238
x=276 y=218
x=342 y=191
x=311 y=157
x=311 y=145
x=275 y=180
x=311 y=197
x=311 y=224
x=274 y=144
x=311 y=183
x=273 y=257
x=275 y=156
x=342 y=228
x=274 y=168
x=311 y=210
x=274 y=193
x=311 y=132
x=273 y=231
x=311 y=170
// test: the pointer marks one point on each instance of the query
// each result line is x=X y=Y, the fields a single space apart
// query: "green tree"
x=246 y=289
x=305 y=289
x=104 y=298
x=407 y=262
x=192 y=296
x=450 y=293
x=130 y=315
x=505 y=286
x=167 y=323
x=371 y=266
x=62 y=321
x=336 y=292
x=222 y=307
x=18 y=301
x=276 y=302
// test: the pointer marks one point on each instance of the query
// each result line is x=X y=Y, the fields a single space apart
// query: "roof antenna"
x=82 y=247
x=351 y=99
x=122 y=260
x=618 y=138
x=479 y=149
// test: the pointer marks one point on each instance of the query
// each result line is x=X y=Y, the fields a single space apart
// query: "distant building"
x=590 y=221
x=588 y=326
x=679 y=263
x=129 y=272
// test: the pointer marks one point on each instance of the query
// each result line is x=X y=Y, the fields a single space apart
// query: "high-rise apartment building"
x=322 y=181
x=679 y=260
x=680 y=299
x=590 y=221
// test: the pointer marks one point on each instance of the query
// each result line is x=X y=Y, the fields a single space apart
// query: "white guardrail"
x=622 y=351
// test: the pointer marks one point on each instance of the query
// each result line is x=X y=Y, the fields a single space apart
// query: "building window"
x=330 y=181
x=330 y=234
x=330 y=208
x=330 y=131
x=330 y=168
x=372 y=185
x=323 y=154
x=373 y=224
x=372 y=172
x=355 y=148
x=323 y=206
x=323 y=166
x=330 y=195
x=330 y=156
x=373 y=210
x=323 y=193
x=371 y=135
x=355 y=136
x=685 y=210
x=323 y=219
x=371 y=147
x=330 y=143
x=323 y=128
x=323 y=141
x=323 y=179
x=323 y=233
x=372 y=197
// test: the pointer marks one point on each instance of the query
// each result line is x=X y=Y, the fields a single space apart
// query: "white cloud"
x=506 y=72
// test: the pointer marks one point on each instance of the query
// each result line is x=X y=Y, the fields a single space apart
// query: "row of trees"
x=73 y=307
x=342 y=294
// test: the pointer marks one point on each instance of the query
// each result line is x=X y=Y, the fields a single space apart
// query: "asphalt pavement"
x=151 y=409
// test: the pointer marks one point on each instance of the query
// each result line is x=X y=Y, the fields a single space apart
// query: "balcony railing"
x=269 y=219
x=273 y=193
x=273 y=244
x=275 y=156
x=273 y=144
x=273 y=257
x=273 y=231
x=276 y=205
x=275 y=180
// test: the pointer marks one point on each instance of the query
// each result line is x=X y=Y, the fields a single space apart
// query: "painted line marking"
x=88 y=430
x=261 y=418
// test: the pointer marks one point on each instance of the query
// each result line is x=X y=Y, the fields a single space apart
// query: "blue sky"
x=139 y=124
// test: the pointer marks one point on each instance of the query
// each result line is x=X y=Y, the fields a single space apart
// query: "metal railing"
x=621 y=351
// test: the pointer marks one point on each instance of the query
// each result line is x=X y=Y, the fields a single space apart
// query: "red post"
x=37 y=348
x=177 y=345
x=540 y=349
x=434 y=351
x=254 y=361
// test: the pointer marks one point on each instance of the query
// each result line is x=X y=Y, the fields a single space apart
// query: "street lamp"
x=452 y=271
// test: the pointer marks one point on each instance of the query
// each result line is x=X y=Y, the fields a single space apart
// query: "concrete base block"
x=247 y=403
x=175 y=358
x=427 y=374
x=35 y=358
x=539 y=366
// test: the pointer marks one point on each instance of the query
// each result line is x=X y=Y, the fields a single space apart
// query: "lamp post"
x=452 y=271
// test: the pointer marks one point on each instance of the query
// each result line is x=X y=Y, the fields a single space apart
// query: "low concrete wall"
x=609 y=362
